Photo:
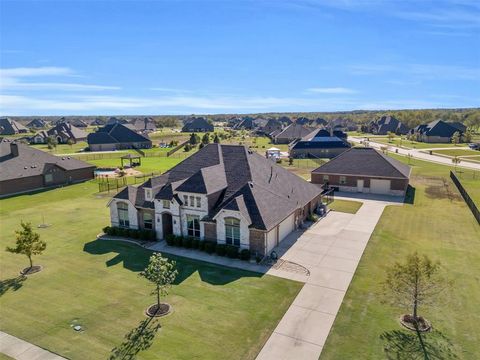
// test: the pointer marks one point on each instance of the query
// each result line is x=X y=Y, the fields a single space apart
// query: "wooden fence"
x=116 y=184
x=470 y=203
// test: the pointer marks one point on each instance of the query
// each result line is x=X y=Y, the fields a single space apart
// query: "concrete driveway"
x=331 y=250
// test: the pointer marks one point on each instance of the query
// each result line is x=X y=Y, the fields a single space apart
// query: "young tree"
x=390 y=136
x=467 y=137
x=216 y=139
x=456 y=138
x=70 y=142
x=52 y=142
x=456 y=160
x=27 y=242
x=161 y=273
x=206 y=139
x=193 y=139
x=416 y=282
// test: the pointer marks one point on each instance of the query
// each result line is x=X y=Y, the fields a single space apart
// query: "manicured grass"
x=346 y=206
x=412 y=144
x=217 y=310
x=149 y=164
x=456 y=152
x=440 y=225
x=5 y=357
x=471 y=182
x=63 y=148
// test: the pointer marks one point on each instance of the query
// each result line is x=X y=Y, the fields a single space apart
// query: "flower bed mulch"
x=154 y=311
x=421 y=324
x=31 y=270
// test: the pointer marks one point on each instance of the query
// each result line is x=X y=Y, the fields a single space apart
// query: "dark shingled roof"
x=116 y=133
x=365 y=162
x=197 y=124
x=10 y=127
x=294 y=131
x=439 y=128
x=261 y=190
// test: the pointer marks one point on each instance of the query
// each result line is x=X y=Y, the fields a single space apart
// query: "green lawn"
x=346 y=206
x=96 y=284
x=471 y=182
x=456 y=152
x=63 y=148
x=412 y=144
x=149 y=164
x=438 y=224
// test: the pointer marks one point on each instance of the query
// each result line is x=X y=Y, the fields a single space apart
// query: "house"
x=144 y=125
x=197 y=124
x=386 y=124
x=302 y=121
x=285 y=120
x=318 y=122
x=291 y=133
x=62 y=132
x=24 y=169
x=437 y=131
x=222 y=193
x=342 y=124
x=271 y=126
x=115 y=137
x=364 y=170
x=320 y=143
x=37 y=124
x=78 y=123
x=113 y=120
x=98 y=122
x=11 y=127
x=245 y=123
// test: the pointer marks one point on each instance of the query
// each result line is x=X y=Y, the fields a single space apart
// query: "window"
x=193 y=226
x=148 y=194
x=325 y=178
x=192 y=200
x=185 y=200
x=232 y=231
x=343 y=180
x=147 y=221
x=199 y=204
x=166 y=204
x=123 y=220
x=48 y=178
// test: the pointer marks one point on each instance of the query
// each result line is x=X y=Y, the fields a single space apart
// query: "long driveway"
x=417 y=153
x=331 y=250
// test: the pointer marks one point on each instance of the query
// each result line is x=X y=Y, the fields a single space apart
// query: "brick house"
x=117 y=136
x=223 y=193
x=364 y=170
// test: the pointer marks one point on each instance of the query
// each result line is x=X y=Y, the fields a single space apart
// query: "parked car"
x=474 y=146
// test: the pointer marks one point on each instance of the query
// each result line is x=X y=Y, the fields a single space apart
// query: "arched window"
x=122 y=209
x=232 y=231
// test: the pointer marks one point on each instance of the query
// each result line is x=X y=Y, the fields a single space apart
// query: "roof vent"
x=25 y=167
x=68 y=157
x=63 y=158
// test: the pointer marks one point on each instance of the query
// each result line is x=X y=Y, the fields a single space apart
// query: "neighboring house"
x=271 y=126
x=291 y=133
x=437 y=131
x=11 y=127
x=244 y=124
x=222 y=193
x=78 y=123
x=197 y=124
x=24 y=169
x=115 y=137
x=99 y=122
x=285 y=120
x=114 y=120
x=37 y=124
x=318 y=122
x=62 y=132
x=320 y=144
x=385 y=125
x=364 y=170
x=303 y=121
x=342 y=124
x=144 y=125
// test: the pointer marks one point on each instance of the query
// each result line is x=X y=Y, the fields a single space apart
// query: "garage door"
x=286 y=227
x=271 y=240
x=379 y=186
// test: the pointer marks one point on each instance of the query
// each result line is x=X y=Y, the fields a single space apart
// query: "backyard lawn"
x=96 y=284
x=471 y=182
x=440 y=225
x=149 y=164
x=62 y=148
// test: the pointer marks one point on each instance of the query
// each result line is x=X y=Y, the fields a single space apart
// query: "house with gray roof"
x=144 y=125
x=197 y=124
x=437 y=131
x=385 y=125
x=11 y=127
x=364 y=170
x=223 y=193
x=117 y=136
x=62 y=132
x=37 y=124
x=321 y=144
x=291 y=133
x=23 y=169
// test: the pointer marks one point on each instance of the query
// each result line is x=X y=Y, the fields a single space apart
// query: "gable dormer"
x=148 y=194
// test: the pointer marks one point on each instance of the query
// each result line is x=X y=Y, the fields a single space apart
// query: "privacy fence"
x=471 y=204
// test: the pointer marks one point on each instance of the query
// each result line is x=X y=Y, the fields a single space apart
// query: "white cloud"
x=34 y=71
x=331 y=90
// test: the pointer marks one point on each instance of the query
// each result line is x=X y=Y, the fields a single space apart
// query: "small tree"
x=290 y=161
x=27 y=242
x=70 y=142
x=390 y=136
x=193 y=139
x=216 y=139
x=161 y=273
x=52 y=142
x=456 y=161
x=206 y=139
x=456 y=138
x=467 y=137
x=414 y=283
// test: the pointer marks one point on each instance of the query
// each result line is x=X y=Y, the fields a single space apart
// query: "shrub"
x=187 y=242
x=152 y=235
x=170 y=239
x=178 y=241
x=143 y=235
x=232 y=251
x=196 y=244
x=210 y=246
x=312 y=217
x=201 y=246
x=221 y=250
x=107 y=230
x=122 y=231
x=245 y=254
x=258 y=258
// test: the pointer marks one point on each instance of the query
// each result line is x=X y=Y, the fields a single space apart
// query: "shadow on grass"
x=136 y=258
x=411 y=345
x=410 y=195
x=136 y=340
x=11 y=284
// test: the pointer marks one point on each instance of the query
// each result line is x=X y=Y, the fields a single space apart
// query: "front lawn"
x=346 y=206
x=217 y=310
x=412 y=144
x=438 y=224
x=456 y=152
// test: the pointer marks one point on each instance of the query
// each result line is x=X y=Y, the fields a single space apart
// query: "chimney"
x=331 y=130
x=14 y=149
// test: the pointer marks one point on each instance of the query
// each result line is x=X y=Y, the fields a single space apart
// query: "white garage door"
x=379 y=186
x=271 y=240
x=286 y=227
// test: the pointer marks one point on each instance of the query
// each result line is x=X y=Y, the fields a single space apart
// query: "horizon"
x=160 y=58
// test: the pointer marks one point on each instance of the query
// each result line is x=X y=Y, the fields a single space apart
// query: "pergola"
x=134 y=160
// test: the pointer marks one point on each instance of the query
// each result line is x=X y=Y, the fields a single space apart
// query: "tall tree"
x=161 y=273
x=27 y=242
x=193 y=139
x=216 y=139
x=52 y=142
x=206 y=139
x=456 y=138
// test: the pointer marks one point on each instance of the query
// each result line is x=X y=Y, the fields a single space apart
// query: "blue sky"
x=229 y=56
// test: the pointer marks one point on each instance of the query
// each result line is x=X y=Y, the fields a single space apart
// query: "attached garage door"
x=286 y=227
x=379 y=186
x=271 y=240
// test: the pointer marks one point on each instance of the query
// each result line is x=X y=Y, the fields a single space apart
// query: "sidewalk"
x=22 y=350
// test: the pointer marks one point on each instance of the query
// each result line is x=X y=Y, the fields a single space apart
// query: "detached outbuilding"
x=364 y=170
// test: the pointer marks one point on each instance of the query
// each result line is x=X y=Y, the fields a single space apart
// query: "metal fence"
x=470 y=203
x=106 y=184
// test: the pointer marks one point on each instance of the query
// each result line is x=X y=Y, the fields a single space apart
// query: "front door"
x=360 y=185
x=167 y=225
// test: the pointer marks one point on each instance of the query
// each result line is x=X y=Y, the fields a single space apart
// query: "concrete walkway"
x=22 y=350
x=331 y=250
x=418 y=154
